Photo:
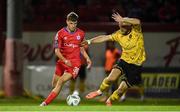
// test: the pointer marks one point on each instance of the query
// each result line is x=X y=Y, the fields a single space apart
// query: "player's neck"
x=70 y=30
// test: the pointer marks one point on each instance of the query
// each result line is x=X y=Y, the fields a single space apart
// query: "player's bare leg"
x=72 y=86
x=118 y=93
x=113 y=76
x=81 y=86
x=64 y=78
x=54 y=80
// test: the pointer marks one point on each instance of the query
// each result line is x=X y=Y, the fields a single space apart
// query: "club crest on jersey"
x=78 y=37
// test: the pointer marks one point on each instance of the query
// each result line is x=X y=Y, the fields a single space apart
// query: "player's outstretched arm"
x=131 y=20
x=98 y=39
x=118 y=18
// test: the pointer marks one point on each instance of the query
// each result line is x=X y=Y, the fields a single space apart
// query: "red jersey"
x=69 y=44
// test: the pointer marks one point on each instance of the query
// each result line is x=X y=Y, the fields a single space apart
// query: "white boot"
x=123 y=98
x=43 y=104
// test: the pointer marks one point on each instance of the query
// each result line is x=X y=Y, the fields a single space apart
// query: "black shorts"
x=131 y=73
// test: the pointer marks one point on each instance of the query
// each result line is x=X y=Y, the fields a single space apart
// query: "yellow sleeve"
x=114 y=36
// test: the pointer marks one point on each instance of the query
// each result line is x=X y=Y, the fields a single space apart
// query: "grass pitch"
x=130 y=105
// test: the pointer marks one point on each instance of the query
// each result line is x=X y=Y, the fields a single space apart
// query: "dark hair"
x=72 y=16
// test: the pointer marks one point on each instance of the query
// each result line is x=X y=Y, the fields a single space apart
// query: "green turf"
x=133 y=105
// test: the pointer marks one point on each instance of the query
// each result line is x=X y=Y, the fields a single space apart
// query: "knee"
x=111 y=79
x=54 y=83
x=59 y=82
x=114 y=75
x=121 y=90
x=123 y=87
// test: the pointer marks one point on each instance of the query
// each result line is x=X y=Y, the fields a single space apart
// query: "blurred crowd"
x=54 y=11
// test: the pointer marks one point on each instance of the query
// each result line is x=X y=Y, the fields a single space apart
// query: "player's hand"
x=68 y=63
x=89 y=63
x=117 y=17
x=85 y=42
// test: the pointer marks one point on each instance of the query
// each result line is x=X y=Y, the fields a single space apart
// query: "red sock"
x=50 y=98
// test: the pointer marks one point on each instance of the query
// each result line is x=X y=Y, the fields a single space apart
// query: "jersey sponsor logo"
x=70 y=45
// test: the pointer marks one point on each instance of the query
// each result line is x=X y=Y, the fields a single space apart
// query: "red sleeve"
x=57 y=41
x=83 y=36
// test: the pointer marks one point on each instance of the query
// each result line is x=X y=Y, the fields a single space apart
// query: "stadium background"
x=42 y=18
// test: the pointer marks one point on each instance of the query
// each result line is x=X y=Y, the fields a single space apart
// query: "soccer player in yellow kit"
x=129 y=66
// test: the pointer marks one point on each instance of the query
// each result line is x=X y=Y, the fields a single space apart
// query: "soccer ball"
x=73 y=100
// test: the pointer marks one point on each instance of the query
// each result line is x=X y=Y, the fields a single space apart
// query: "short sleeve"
x=114 y=36
x=83 y=36
x=57 y=41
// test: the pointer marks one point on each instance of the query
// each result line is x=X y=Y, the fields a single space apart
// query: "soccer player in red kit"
x=67 y=49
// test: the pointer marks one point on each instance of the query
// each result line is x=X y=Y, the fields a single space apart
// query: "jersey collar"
x=65 y=28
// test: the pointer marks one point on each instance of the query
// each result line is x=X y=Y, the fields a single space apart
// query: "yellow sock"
x=115 y=96
x=104 y=85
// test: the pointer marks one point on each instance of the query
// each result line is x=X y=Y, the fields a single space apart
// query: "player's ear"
x=66 y=21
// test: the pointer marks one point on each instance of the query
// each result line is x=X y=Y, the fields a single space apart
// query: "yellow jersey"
x=133 y=51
